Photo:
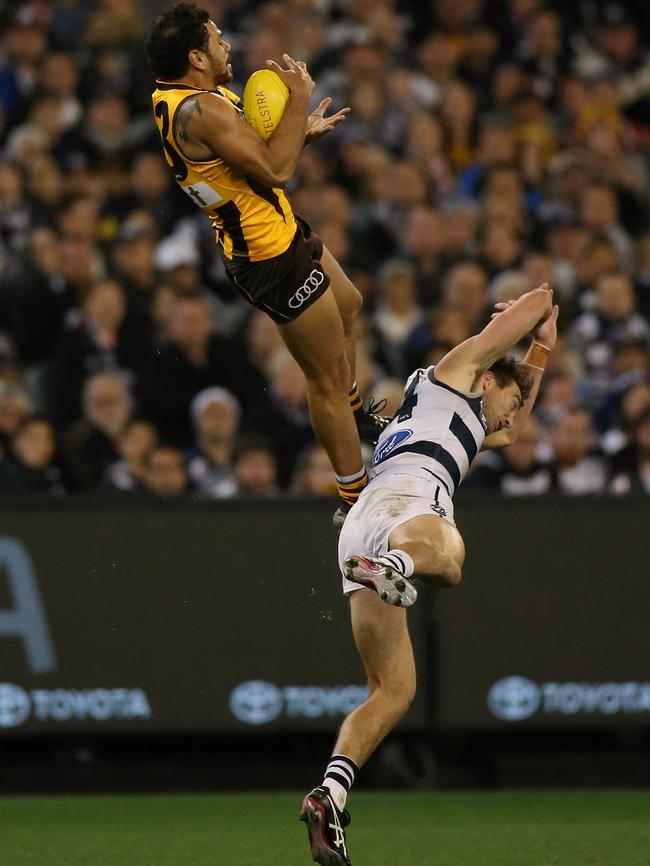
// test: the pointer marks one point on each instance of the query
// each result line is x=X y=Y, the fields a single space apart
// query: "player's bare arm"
x=461 y=367
x=542 y=344
x=206 y=128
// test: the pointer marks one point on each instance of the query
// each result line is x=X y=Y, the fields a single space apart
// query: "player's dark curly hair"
x=506 y=371
x=172 y=36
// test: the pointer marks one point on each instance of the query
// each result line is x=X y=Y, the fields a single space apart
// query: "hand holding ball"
x=265 y=98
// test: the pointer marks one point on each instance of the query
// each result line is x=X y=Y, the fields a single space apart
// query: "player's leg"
x=316 y=339
x=435 y=547
x=349 y=301
x=383 y=641
x=426 y=548
x=382 y=638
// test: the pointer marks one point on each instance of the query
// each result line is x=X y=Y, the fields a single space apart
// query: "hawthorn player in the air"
x=271 y=255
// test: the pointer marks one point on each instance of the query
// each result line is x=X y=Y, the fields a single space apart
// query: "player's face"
x=500 y=405
x=218 y=55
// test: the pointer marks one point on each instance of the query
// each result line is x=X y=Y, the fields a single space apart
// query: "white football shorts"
x=392 y=497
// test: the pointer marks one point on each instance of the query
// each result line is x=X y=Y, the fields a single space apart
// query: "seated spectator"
x=37 y=297
x=313 y=475
x=557 y=397
x=282 y=413
x=30 y=466
x=613 y=321
x=215 y=415
x=134 y=444
x=90 y=444
x=166 y=475
x=255 y=468
x=398 y=312
x=104 y=339
x=15 y=406
x=517 y=469
x=630 y=405
x=465 y=286
x=631 y=467
x=577 y=465
x=193 y=359
x=262 y=339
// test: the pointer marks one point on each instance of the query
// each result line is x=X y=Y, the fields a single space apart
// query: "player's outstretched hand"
x=547 y=331
x=295 y=76
x=318 y=125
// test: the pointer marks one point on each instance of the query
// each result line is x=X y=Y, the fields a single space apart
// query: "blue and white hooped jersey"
x=436 y=428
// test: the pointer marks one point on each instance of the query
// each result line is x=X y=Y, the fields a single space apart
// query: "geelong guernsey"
x=436 y=428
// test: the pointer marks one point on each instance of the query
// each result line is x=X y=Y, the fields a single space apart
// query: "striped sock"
x=339 y=778
x=350 y=486
x=399 y=560
x=356 y=403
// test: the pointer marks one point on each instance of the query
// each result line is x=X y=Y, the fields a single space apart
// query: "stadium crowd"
x=492 y=146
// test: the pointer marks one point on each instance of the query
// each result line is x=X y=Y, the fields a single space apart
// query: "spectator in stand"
x=166 y=474
x=313 y=474
x=134 y=444
x=215 y=414
x=614 y=320
x=255 y=468
x=282 y=412
x=517 y=469
x=599 y=211
x=630 y=404
x=398 y=313
x=104 y=339
x=90 y=444
x=193 y=359
x=465 y=285
x=422 y=243
x=30 y=466
x=631 y=467
x=557 y=397
x=15 y=407
x=578 y=467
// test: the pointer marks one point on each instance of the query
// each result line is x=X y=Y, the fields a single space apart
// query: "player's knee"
x=450 y=575
x=401 y=700
x=353 y=304
x=439 y=568
x=400 y=694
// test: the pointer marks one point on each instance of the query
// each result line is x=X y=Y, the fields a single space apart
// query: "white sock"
x=398 y=560
x=339 y=778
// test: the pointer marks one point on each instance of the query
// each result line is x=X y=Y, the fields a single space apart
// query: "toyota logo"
x=514 y=698
x=15 y=705
x=311 y=284
x=256 y=702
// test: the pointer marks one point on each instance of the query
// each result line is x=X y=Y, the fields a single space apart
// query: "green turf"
x=532 y=828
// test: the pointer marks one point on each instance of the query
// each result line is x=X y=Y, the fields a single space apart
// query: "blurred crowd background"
x=492 y=146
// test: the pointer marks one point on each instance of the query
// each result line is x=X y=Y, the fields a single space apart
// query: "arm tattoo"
x=185 y=114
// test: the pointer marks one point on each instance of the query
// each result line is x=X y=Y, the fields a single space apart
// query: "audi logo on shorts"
x=311 y=284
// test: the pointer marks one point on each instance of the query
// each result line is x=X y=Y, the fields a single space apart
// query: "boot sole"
x=390 y=586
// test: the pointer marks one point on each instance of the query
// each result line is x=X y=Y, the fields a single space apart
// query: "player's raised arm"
x=535 y=361
x=460 y=367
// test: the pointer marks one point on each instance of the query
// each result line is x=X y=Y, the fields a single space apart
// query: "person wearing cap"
x=215 y=414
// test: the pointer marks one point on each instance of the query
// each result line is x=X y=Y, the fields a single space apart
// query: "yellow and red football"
x=265 y=97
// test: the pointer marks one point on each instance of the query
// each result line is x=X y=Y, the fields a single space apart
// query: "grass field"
x=531 y=828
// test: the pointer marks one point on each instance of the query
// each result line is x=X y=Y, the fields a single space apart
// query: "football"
x=265 y=97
